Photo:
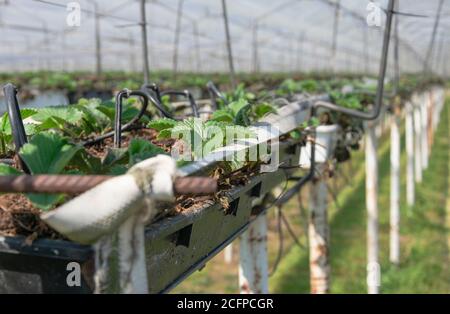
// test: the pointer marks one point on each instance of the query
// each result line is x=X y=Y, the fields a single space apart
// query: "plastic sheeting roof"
x=290 y=35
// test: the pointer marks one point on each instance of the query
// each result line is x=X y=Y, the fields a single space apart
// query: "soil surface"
x=19 y=217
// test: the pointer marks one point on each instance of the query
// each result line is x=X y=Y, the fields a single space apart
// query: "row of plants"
x=58 y=136
x=110 y=81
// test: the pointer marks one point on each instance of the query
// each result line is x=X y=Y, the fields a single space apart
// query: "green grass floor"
x=425 y=262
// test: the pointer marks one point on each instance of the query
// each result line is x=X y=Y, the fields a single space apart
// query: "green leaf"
x=47 y=153
x=114 y=156
x=222 y=115
x=8 y=170
x=263 y=109
x=64 y=113
x=45 y=201
x=238 y=105
x=242 y=116
x=162 y=124
x=140 y=149
x=164 y=134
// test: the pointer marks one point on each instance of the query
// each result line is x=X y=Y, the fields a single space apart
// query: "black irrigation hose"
x=15 y=119
x=118 y=117
x=186 y=94
x=156 y=99
x=214 y=93
x=280 y=243
x=291 y=231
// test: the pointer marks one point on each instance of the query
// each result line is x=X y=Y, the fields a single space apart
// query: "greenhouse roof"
x=287 y=35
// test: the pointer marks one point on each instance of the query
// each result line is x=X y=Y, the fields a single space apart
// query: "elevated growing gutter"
x=175 y=246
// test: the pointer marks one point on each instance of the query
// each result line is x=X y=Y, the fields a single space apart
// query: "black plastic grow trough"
x=175 y=246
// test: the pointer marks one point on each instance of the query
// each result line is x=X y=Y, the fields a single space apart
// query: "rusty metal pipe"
x=75 y=184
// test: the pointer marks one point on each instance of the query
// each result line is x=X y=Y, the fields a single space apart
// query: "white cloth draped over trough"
x=124 y=204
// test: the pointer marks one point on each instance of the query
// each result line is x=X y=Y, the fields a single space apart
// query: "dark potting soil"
x=18 y=216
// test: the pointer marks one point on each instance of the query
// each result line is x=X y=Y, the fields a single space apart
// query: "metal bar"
x=433 y=37
x=394 y=255
x=197 y=47
x=396 y=55
x=228 y=42
x=75 y=184
x=253 y=263
x=143 y=24
x=335 y=33
x=98 y=54
x=177 y=38
x=394 y=252
x=255 y=63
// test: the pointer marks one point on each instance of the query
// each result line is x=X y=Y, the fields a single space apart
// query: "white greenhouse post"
x=417 y=142
x=319 y=238
x=394 y=253
x=430 y=117
x=228 y=253
x=424 y=137
x=373 y=268
x=409 y=130
x=253 y=263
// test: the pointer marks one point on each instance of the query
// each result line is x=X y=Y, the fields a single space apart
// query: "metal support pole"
x=417 y=142
x=198 y=64
x=63 y=48
x=228 y=41
x=409 y=130
x=144 y=43
x=255 y=47
x=298 y=59
x=335 y=33
x=319 y=236
x=366 y=49
x=373 y=267
x=394 y=251
x=177 y=38
x=132 y=53
x=394 y=255
x=253 y=264
x=433 y=37
x=98 y=54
